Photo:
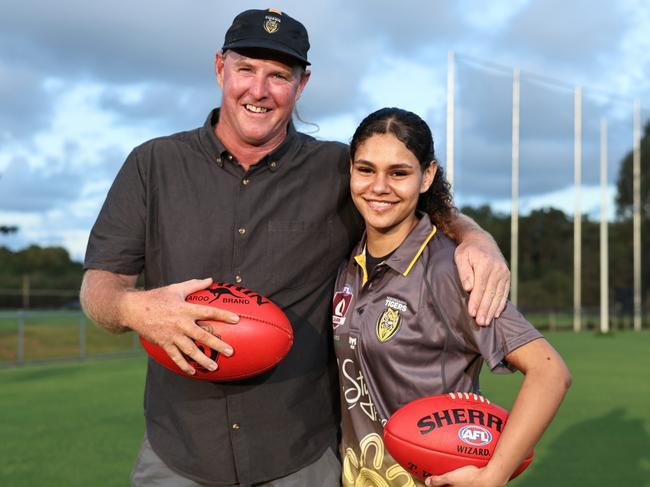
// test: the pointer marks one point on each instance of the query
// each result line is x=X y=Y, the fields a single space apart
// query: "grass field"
x=81 y=424
x=601 y=435
x=71 y=424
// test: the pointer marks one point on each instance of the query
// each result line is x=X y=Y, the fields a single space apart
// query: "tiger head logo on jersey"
x=388 y=324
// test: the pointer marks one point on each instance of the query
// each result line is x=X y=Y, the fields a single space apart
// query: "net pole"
x=450 y=117
x=636 y=177
x=604 y=247
x=577 y=218
x=514 y=215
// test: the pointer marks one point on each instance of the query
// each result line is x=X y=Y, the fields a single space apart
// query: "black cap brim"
x=266 y=45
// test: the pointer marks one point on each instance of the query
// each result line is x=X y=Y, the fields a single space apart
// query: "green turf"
x=71 y=425
x=601 y=434
x=81 y=424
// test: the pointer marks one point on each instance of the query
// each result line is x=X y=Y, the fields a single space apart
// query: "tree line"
x=546 y=259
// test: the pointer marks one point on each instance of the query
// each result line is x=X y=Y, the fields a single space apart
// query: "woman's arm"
x=545 y=383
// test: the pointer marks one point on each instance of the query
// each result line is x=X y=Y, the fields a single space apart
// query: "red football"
x=437 y=434
x=261 y=338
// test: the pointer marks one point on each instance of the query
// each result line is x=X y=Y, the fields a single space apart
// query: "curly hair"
x=415 y=134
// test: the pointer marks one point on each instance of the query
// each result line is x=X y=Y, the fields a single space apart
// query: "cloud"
x=119 y=41
x=350 y=40
x=26 y=105
x=493 y=16
x=28 y=189
x=161 y=107
x=577 y=38
x=82 y=83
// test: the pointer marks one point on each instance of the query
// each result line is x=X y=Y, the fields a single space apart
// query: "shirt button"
x=230 y=157
x=238 y=279
x=273 y=165
x=219 y=162
x=245 y=181
x=242 y=231
x=235 y=426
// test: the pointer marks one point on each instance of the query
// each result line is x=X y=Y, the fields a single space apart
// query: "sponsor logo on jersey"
x=388 y=324
x=475 y=435
x=355 y=390
x=341 y=305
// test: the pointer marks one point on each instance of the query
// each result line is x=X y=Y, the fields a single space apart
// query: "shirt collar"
x=215 y=147
x=407 y=254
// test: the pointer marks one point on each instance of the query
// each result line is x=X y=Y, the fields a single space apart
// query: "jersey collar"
x=407 y=254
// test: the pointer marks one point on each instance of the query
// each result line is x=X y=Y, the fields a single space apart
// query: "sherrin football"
x=437 y=434
x=260 y=340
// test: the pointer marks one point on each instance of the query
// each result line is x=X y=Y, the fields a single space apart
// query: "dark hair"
x=415 y=134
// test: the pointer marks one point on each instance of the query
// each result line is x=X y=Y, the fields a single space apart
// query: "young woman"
x=401 y=327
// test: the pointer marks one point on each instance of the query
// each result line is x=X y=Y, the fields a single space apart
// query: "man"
x=244 y=199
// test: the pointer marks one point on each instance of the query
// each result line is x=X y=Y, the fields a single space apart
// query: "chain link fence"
x=42 y=336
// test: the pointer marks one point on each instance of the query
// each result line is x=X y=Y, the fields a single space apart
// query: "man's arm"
x=482 y=268
x=161 y=315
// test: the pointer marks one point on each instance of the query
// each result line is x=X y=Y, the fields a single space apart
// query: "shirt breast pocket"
x=299 y=252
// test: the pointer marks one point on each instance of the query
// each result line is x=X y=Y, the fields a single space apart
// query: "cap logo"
x=271 y=24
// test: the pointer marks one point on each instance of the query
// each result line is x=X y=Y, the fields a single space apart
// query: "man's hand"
x=485 y=275
x=162 y=315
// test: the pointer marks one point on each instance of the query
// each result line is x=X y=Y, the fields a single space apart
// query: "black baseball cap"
x=268 y=29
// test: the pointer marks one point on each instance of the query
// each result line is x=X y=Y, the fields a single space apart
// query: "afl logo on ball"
x=475 y=435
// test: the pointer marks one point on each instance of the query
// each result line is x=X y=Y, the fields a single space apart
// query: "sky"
x=82 y=83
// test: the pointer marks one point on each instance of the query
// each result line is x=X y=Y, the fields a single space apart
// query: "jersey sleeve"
x=504 y=335
x=494 y=342
x=117 y=239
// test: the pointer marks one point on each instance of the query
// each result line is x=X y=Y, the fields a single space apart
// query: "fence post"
x=552 y=321
x=20 y=352
x=82 y=336
x=25 y=291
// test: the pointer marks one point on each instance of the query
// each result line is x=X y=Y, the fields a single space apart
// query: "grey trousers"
x=150 y=471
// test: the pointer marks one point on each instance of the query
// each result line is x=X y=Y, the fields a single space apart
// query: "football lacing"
x=476 y=397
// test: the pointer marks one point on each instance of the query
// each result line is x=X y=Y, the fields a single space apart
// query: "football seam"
x=270 y=366
x=266 y=322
